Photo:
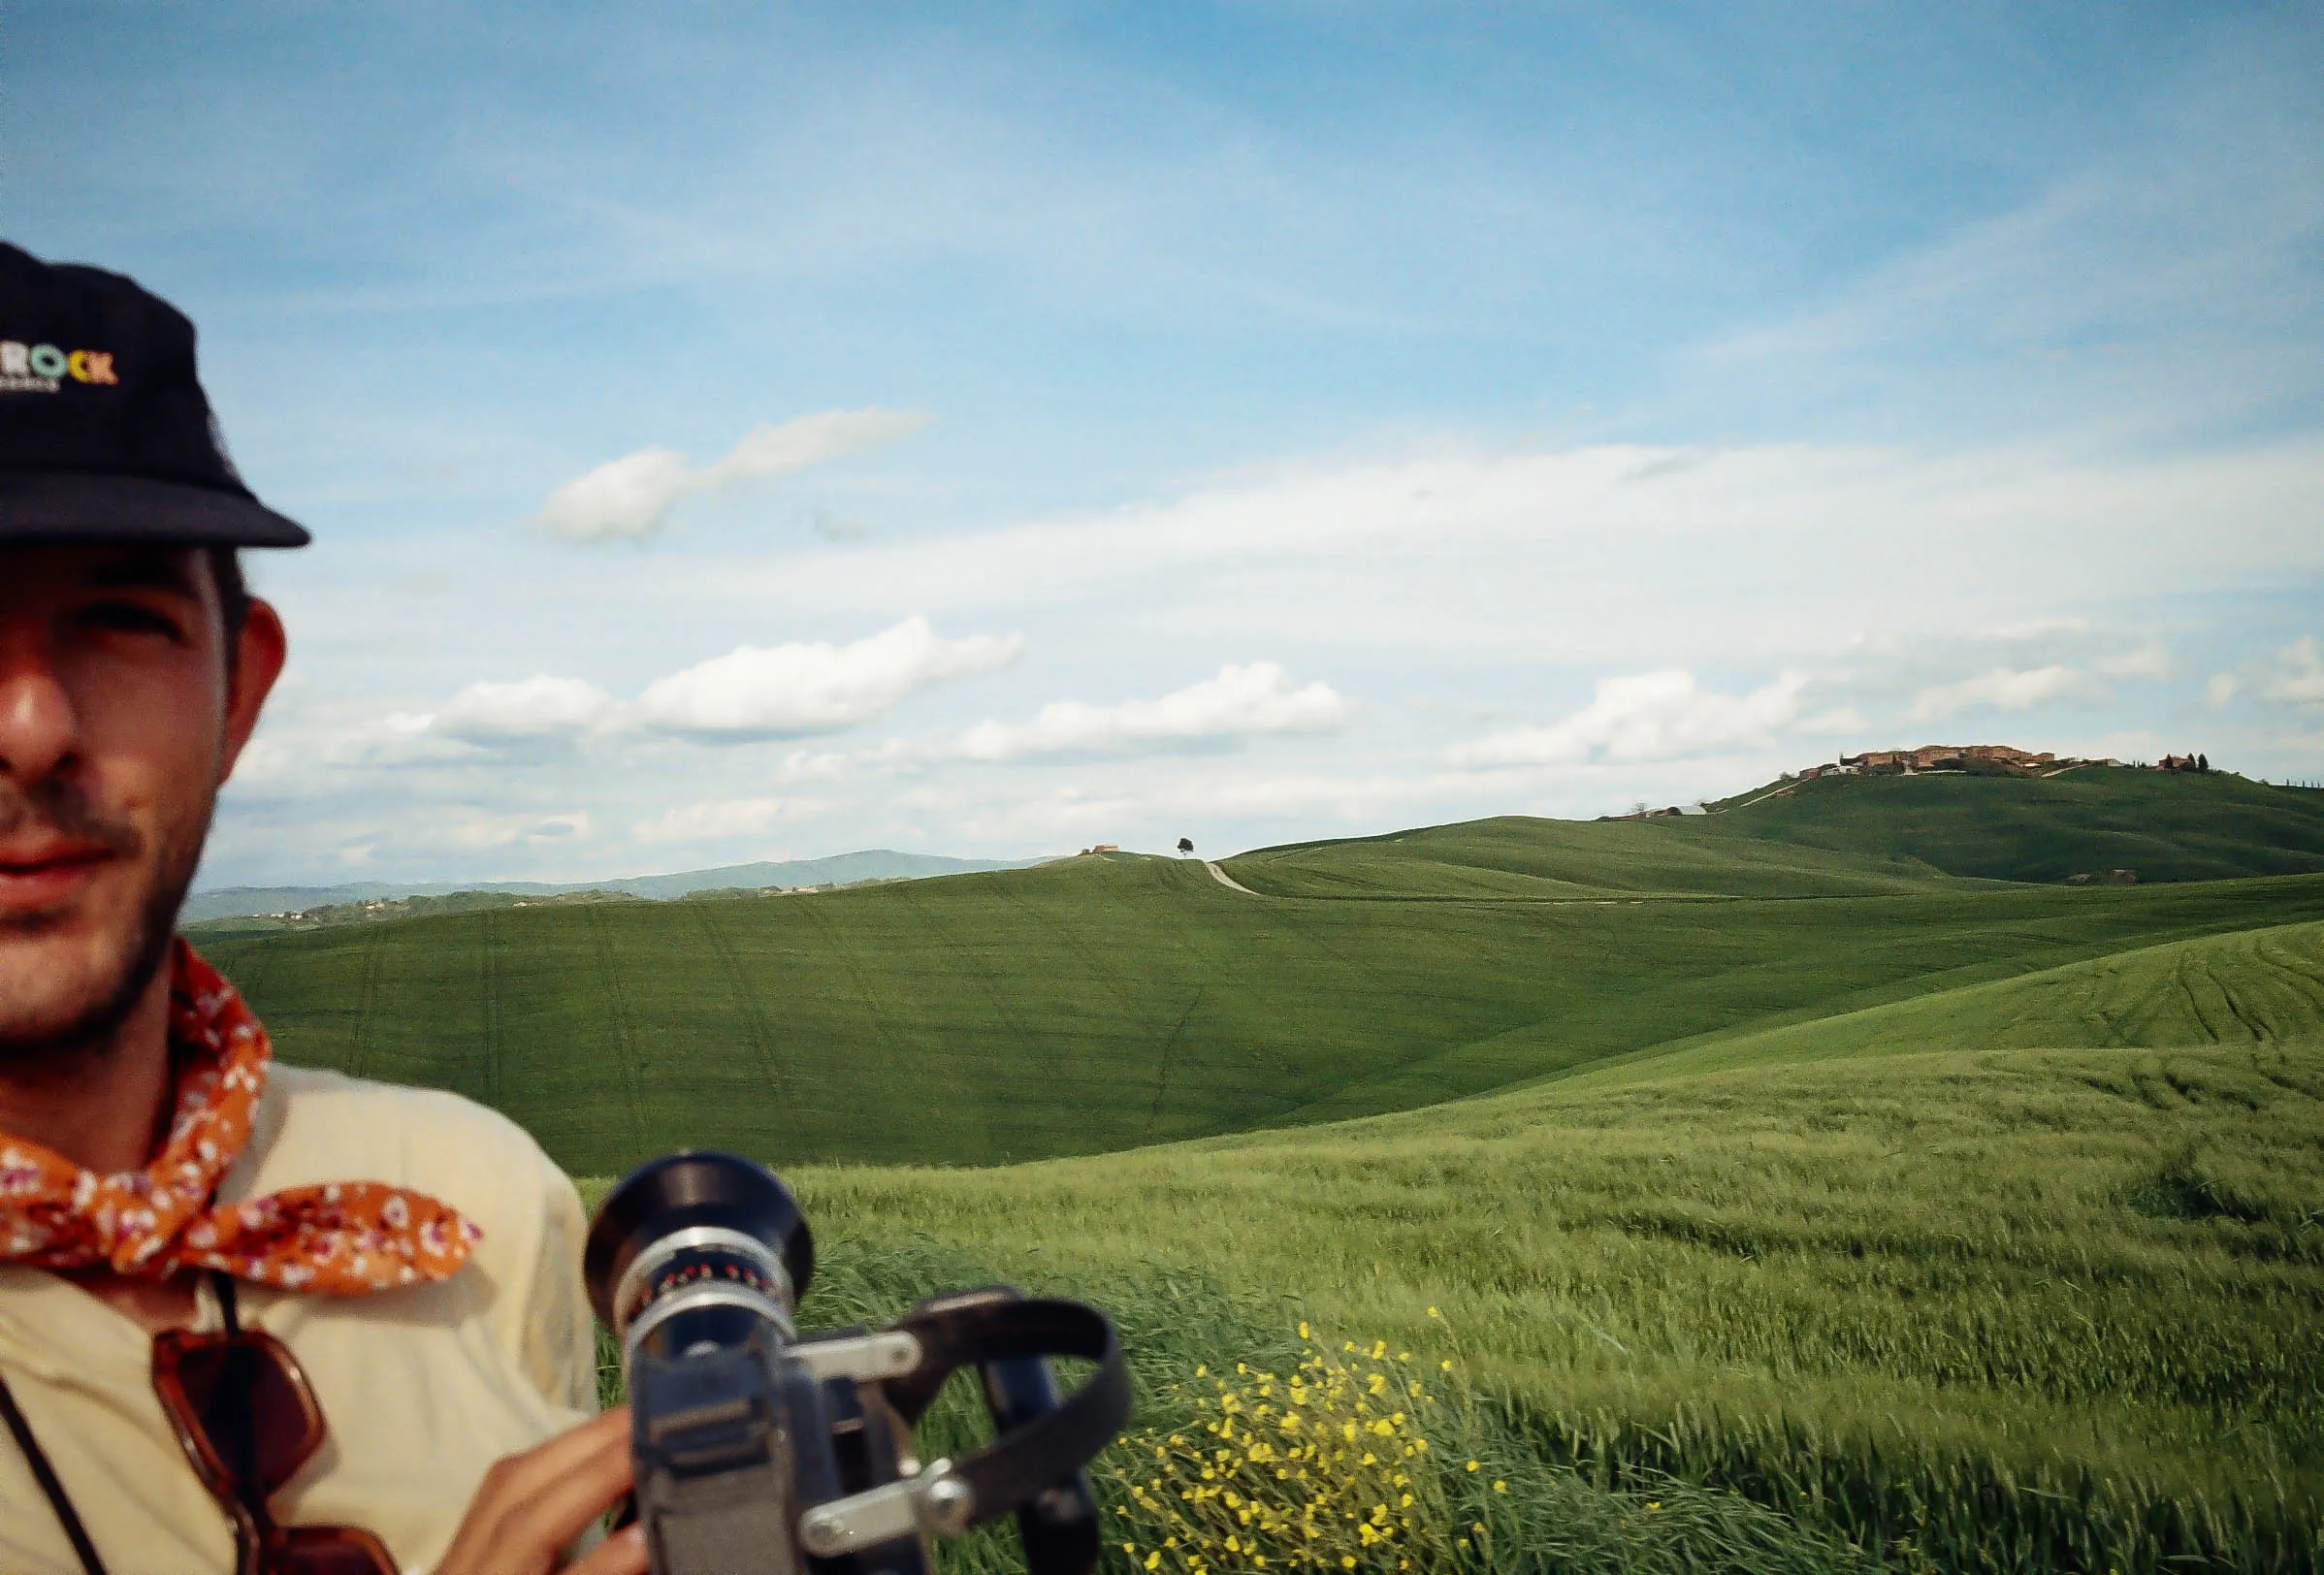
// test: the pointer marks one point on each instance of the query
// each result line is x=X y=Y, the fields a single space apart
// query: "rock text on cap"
x=41 y=369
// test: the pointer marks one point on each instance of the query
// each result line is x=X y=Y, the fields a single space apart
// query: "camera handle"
x=1057 y=1527
x=1023 y=1461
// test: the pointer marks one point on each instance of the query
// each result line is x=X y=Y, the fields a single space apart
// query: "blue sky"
x=739 y=432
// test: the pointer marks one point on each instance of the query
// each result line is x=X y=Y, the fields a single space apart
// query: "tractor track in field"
x=1057 y=1062
x=366 y=1003
x=487 y=979
x=1162 y=1065
x=756 y=1027
x=1106 y=975
x=625 y=1037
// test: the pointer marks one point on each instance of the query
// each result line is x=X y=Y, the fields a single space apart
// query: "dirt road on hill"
x=1226 y=879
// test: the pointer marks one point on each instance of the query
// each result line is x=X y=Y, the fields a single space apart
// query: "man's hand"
x=529 y=1507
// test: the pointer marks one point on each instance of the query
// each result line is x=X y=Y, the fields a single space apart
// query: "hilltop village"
x=1988 y=759
x=1929 y=759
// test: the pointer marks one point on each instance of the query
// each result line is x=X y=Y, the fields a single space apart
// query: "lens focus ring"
x=701 y=1255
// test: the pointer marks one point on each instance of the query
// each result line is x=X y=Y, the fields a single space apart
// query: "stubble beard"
x=64 y=1047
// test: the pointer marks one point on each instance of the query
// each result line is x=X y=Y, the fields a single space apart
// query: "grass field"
x=1102 y=1004
x=1968 y=1309
x=1522 y=858
x=2054 y=1309
x=1105 y=1003
x=2250 y=987
x=2165 y=826
x=1872 y=1205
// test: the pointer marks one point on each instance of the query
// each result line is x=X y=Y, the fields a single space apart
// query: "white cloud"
x=1444 y=578
x=2220 y=690
x=713 y=820
x=2004 y=689
x=627 y=498
x=1837 y=722
x=2297 y=677
x=2039 y=628
x=474 y=832
x=806 y=765
x=771 y=449
x=1240 y=702
x=1649 y=717
x=2149 y=660
x=790 y=690
x=531 y=708
x=622 y=498
x=749 y=693
x=1589 y=565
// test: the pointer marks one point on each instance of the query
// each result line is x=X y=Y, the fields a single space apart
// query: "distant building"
x=2000 y=758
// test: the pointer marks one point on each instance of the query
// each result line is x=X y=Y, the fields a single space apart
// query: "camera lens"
x=692 y=1249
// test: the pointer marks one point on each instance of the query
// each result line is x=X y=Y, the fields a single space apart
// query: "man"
x=184 y=1228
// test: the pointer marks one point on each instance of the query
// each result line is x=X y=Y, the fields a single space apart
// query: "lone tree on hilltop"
x=1185 y=844
x=2203 y=762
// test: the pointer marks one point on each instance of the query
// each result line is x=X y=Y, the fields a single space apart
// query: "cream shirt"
x=422 y=1387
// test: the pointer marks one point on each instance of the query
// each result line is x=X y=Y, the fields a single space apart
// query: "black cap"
x=104 y=433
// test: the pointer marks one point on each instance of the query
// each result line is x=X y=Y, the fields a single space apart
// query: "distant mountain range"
x=841 y=869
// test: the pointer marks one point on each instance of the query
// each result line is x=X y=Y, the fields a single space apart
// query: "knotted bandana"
x=341 y=1238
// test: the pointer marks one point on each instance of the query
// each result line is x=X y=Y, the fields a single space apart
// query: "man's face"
x=121 y=711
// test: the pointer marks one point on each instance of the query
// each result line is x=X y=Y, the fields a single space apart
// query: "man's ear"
x=259 y=652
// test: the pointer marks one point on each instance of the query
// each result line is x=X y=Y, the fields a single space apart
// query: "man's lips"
x=43 y=875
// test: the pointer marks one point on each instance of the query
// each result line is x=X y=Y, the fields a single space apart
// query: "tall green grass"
x=2026 y=1310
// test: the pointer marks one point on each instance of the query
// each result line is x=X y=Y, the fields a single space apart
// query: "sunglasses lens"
x=243 y=1399
x=327 y=1550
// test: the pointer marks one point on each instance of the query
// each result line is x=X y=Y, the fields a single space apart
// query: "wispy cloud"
x=529 y=708
x=2296 y=675
x=786 y=690
x=1241 y=702
x=1660 y=715
x=2149 y=660
x=630 y=497
x=714 y=820
x=751 y=692
x=2004 y=689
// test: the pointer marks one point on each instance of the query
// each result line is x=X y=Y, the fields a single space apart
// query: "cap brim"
x=67 y=506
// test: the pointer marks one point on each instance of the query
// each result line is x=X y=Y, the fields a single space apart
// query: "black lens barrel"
x=694 y=1187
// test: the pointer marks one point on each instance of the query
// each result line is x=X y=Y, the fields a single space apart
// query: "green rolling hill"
x=2256 y=986
x=2165 y=826
x=1517 y=857
x=1964 y=1310
x=1107 y=1003
x=1819 y=1187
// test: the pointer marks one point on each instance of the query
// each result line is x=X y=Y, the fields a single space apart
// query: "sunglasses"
x=247 y=1419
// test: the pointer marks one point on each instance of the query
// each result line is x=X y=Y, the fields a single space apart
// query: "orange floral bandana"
x=343 y=1239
